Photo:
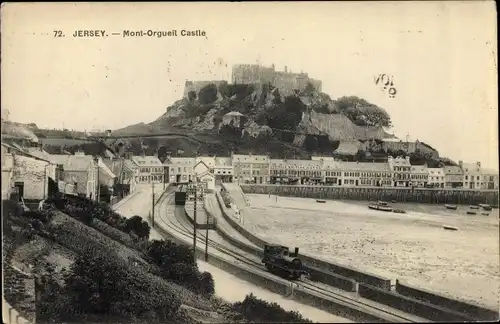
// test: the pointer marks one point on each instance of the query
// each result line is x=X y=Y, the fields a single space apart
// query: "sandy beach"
x=413 y=247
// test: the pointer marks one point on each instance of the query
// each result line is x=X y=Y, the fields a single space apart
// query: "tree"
x=287 y=115
x=362 y=112
x=137 y=225
x=191 y=95
x=208 y=94
x=311 y=143
x=360 y=155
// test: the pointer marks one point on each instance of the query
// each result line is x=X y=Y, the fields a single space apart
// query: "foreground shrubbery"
x=177 y=264
x=258 y=310
x=86 y=210
x=100 y=283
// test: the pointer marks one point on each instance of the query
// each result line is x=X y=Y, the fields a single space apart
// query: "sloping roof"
x=104 y=168
x=296 y=164
x=24 y=152
x=184 y=161
x=250 y=158
x=332 y=164
x=365 y=166
x=452 y=170
x=234 y=113
x=471 y=167
x=41 y=154
x=146 y=160
x=73 y=162
x=209 y=161
x=222 y=161
x=419 y=169
x=436 y=171
x=115 y=166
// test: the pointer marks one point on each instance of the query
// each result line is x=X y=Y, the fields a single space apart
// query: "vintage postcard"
x=251 y=162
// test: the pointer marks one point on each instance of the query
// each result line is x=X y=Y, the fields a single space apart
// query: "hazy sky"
x=442 y=56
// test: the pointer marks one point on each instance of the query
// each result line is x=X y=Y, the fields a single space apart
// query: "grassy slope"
x=73 y=235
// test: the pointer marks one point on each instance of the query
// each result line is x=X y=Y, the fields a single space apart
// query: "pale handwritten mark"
x=386 y=83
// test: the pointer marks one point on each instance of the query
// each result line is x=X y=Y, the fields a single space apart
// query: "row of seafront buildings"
x=260 y=169
x=29 y=171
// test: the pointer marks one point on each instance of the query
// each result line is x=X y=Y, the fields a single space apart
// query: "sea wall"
x=420 y=195
x=341 y=276
x=472 y=310
x=284 y=287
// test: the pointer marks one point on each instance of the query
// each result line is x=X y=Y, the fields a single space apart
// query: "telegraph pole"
x=206 y=234
x=195 y=223
x=153 y=204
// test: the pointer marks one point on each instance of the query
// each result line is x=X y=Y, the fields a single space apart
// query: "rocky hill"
x=294 y=121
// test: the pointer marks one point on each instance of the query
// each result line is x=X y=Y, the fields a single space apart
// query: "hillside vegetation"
x=89 y=264
x=295 y=126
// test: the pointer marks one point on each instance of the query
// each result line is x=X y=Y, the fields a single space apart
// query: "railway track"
x=181 y=227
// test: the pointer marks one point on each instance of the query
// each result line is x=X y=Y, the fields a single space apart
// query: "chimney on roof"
x=461 y=164
x=286 y=69
x=478 y=165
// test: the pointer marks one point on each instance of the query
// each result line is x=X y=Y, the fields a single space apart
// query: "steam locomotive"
x=280 y=261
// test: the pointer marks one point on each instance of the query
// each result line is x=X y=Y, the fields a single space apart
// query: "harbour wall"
x=416 y=195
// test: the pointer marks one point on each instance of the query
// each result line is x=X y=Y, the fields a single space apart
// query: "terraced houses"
x=261 y=169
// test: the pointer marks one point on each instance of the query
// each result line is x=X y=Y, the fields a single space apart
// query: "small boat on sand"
x=474 y=207
x=393 y=201
x=485 y=207
x=320 y=201
x=399 y=211
x=452 y=207
x=470 y=212
x=485 y=213
x=385 y=208
x=450 y=228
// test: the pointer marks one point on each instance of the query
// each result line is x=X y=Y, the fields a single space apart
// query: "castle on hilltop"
x=286 y=81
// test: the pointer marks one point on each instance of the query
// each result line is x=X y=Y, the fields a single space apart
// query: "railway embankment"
x=418 y=301
x=281 y=286
x=326 y=272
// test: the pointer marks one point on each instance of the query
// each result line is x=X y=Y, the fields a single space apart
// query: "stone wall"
x=33 y=174
x=196 y=86
x=420 y=195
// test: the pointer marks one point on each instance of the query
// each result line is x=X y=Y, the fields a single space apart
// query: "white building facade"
x=401 y=170
x=436 y=177
x=149 y=169
x=419 y=176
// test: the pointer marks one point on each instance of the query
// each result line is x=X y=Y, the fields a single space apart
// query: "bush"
x=177 y=264
x=208 y=94
x=98 y=283
x=257 y=310
x=138 y=226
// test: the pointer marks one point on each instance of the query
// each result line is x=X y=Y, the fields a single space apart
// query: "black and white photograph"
x=249 y=162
